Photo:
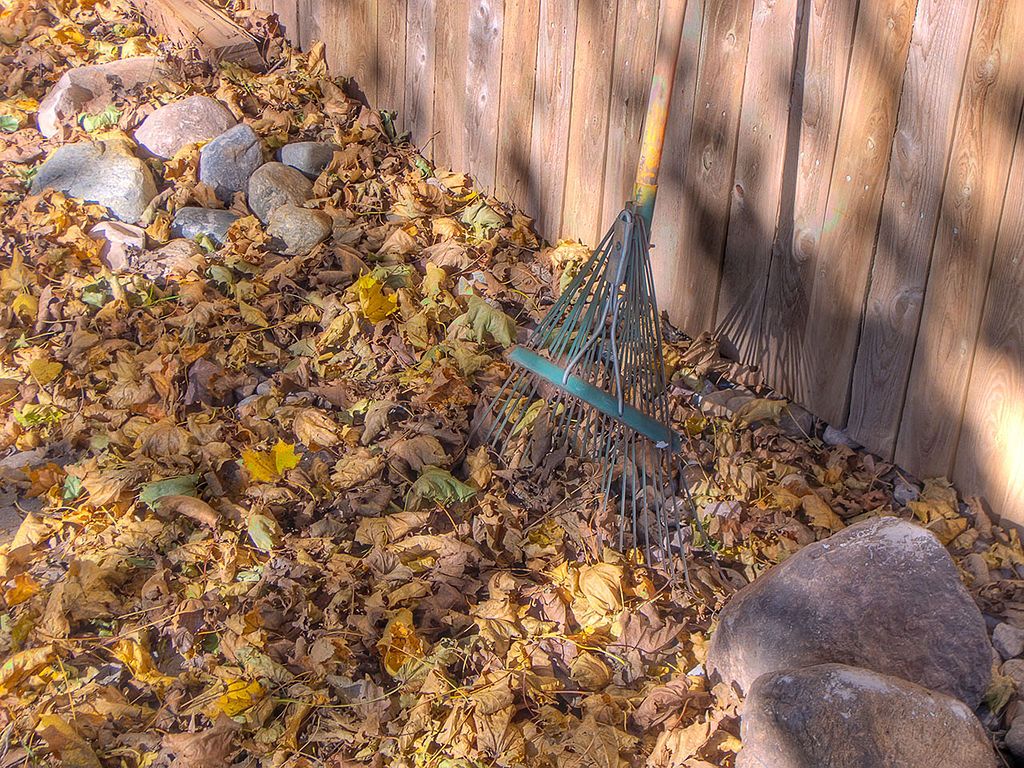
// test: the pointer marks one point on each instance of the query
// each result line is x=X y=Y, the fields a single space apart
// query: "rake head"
x=591 y=381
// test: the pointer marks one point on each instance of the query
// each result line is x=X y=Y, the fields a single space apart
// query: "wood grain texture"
x=483 y=89
x=910 y=210
x=588 y=137
x=820 y=88
x=990 y=455
x=450 y=53
x=709 y=170
x=635 y=43
x=757 y=187
x=961 y=261
x=419 y=71
x=350 y=32
x=873 y=89
x=552 y=104
x=311 y=18
x=205 y=27
x=515 y=108
x=288 y=17
x=666 y=231
x=391 y=65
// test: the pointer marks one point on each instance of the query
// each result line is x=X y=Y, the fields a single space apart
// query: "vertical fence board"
x=515 y=108
x=311 y=13
x=666 y=233
x=419 y=71
x=349 y=33
x=636 y=37
x=588 y=139
x=391 y=51
x=709 y=169
x=873 y=89
x=556 y=39
x=962 y=257
x=990 y=456
x=910 y=210
x=828 y=31
x=450 y=84
x=757 y=183
x=288 y=17
x=483 y=87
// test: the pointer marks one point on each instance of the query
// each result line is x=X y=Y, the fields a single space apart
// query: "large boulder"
x=92 y=88
x=103 y=172
x=843 y=717
x=274 y=185
x=192 y=222
x=227 y=162
x=882 y=594
x=296 y=231
x=176 y=125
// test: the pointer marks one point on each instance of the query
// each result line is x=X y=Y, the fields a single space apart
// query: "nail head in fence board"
x=757 y=185
x=826 y=43
x=588 y=136
x=990 y=456
x=873 y=88
x=962 y=257
x=666 y=230
x=636 y=37
x=391 y=42
x=209 y=29
x=709 y=169
x=515 y=108
x=552 y=102
x=450 y=84
x=910 y=210
x=483 y=88
x=419 y=71
x=288 y=17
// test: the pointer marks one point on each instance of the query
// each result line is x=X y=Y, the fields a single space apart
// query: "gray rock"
x=227 y=162
x=1014 y=669
x=843 y=717
x=121 y=242
x=102 y=172
x=174 y=126
x=178 y=257
x=274 y=185
x=976 y=566
x=882 y=594
x=905 y=492
x=1014 y=739
x=295 y=231
x=833 y=436
x=191 y=223
x=92 y=88
x=1008 y=640
x=310 y=157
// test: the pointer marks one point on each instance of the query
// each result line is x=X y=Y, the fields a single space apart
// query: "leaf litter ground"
x=251 y=528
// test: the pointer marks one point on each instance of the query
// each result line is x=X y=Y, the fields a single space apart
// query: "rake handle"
x=646 y=188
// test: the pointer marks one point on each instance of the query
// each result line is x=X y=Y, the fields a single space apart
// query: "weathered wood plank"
x=873 y=89
x=962 y=257
x=350 y=36
x=552 y=103
x=515 y=109
x=666 y=231
x=990 y=456
x=391 y=37
x=588 y=138
x=419 y=71
x=820 y=86
x=757 y=188
x=483 y=89
x=450 y=84
x=709 y=168
x=288 y=17
x=636 y=37
x=910 y=210
x=311 y=14
x=202 y=25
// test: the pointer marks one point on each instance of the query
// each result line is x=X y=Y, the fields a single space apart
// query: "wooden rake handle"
x=646 y=187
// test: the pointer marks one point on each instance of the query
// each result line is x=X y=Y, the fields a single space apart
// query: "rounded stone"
x=295 y=231
x=227 y=162
x=120 y=243
x=275 y=184
x=174 y=126
x=191 y=223
x=309 y=157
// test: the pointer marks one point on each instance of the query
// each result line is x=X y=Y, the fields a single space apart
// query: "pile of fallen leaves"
x=253 y=527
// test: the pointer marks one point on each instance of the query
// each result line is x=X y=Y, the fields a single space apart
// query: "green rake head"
x=591 y=381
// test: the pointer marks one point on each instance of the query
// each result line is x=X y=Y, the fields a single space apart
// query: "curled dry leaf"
x=190 y=507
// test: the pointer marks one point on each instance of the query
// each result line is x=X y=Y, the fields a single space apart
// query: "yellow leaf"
x=315 y=429
x=25 y=306
x=270 y=466
x=134 y=656
x=22 y=664
x=374 y=304
x=601 y=585
x=23 y=589
x=820 y=514
x=400 y=642
x=759 y=409
x=591 y=672
x=239 y=696
x=44 y=371
x=63 y=740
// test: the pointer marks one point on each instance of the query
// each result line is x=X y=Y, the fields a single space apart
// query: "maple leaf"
x=374 y=304
x=270 y=466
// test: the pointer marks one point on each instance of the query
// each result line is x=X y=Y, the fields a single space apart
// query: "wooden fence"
x=842 y=198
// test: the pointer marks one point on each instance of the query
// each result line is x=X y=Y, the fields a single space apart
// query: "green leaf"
x=9 y=123
x=438 y=485
x=72 y=488
x=483 y=320
x=105 y=119
x=151 y=493
x=262 y=531
x=97 y=294
x=482 y=218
